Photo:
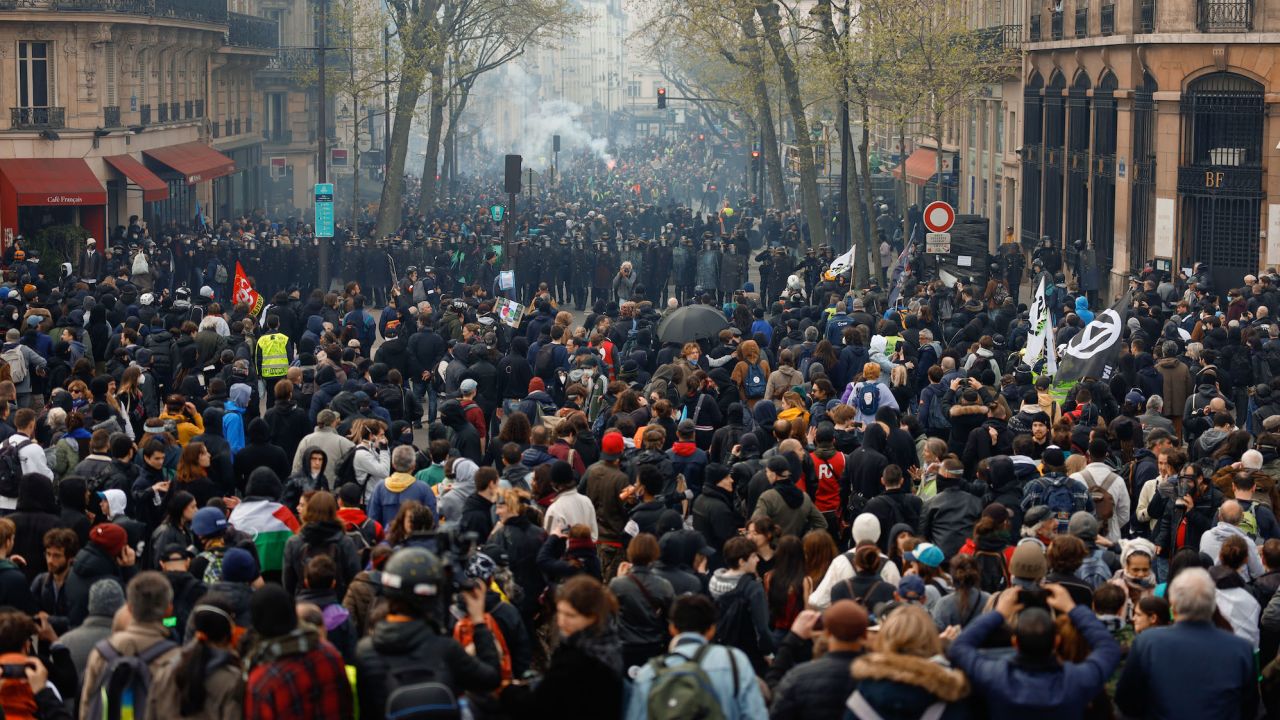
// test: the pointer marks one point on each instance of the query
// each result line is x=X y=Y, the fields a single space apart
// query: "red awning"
x=197 y=161
x=153 y=188
x=52 y=181
x=921 y=165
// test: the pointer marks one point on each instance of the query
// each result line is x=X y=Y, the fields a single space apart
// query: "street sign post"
x=324 y=210
x=939 y=216
x=937 y=243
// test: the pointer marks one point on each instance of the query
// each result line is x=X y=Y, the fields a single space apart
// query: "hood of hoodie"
x=684 y=449
x=874 y=438
x=791 y=495
x=764 y=413
x=1223 y=530
x=212 y=420
x=315 y=324
x=241 y=395
x=1000 y=473
x=258 y=432
x=399 y=482
x=345 y=404
x=722 y=582
x=1211 y=437
x=71 y=493
x=322 y=532
x=35 y=494
x=400 y=638
x=263 y=483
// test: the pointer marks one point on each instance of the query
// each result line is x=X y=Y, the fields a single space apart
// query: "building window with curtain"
x=34 y=89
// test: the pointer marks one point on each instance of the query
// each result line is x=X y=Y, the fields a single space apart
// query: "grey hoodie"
x=1211 y=545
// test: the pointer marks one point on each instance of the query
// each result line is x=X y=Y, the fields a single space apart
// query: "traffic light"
x=755 y=159
x=513 y=170
x=662 y=98
x=701 y=137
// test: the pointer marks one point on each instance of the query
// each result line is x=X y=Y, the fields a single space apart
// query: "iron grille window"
x=1077 y=210
x=163 y=109
x=144 y=114
x=1143 y=172
x=1224 y=15
x=1032 y=160
x=1103 y=183
x=1082 y=21
x=188 y=109
x=1146 y=16
x=1222 y=122
x=111 y=116
x=1108 y=18
x=1034 y=30
x=1054 y=147
x=1055 y=24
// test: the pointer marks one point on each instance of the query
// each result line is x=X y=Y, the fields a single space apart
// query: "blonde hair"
x=871 y=371
x=909 y=630
x=1076 y=463
x=516 y=501
x=898 y=376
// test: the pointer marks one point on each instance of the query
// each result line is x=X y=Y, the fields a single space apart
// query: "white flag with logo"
x=1040 y=339
x=842 y=263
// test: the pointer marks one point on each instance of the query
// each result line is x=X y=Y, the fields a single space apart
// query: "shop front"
x=133 y=180
x=182 y=168
x=40 y=193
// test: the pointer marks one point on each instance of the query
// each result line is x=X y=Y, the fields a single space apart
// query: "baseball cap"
x=846 y=620
x=174 y=551
x=468 y=385
x=208 y=521
x=685 y=427
x=611 y=446
x=927 y=554
x=910 y=588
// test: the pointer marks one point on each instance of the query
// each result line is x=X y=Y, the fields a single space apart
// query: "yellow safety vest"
x=274 y=351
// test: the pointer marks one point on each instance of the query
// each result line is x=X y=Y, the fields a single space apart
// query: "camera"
x=1034 y=597
x=455 y=549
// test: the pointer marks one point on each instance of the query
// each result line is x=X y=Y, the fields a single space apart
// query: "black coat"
x=814 y=689
x=260 y=454
x=289 y=424
x=37 y=514
x=402 y=645
x=577 y=683
x=520 y=540
x=477 y=516
x=715 y=518
x=893 y=507
x=91 y=565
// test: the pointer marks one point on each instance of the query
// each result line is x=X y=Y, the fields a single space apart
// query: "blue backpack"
x=754 y=382
x=1061 y=501
x=1094 y=570
x=867 y=398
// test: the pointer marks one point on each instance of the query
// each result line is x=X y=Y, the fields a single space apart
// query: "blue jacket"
x=749 y=703
x=385 y=503
x=233 y=426
x=763 y=327
x=1191 y=670
x=1014 y=691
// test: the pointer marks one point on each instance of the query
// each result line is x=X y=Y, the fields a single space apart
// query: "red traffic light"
x=701 y=137
x=755 y=154
x=662 y=91
x=662 y=98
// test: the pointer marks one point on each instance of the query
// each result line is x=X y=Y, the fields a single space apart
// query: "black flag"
x=1095 y=351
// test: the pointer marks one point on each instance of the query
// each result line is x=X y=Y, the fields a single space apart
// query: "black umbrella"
x=694 y=322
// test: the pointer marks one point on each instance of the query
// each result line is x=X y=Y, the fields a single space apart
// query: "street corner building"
x=128 y=107
x=1149 y=133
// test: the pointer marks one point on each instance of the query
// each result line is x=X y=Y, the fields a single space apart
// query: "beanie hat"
x=271 y=607
x=1027 y=563
x=866 y=528
x=612 y=446
x=105 y=598
x=1083 y=525
x=1053 y=457
x=537 y=385
x=238 y=566
x=110 y=537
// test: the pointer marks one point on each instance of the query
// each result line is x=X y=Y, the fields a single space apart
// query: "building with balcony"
x=113 y=110
x=1147 y=133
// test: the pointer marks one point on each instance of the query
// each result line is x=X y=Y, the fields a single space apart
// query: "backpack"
x=1061 y=502
x=212 y=571
x=684 y=691
x=346 y=472
x=363 y=537
x=754 y=382
x=220 y=273
x=140 y=266
x=124 y=684
x=425 y=700
x=1094 y=570
x=17 y=361
x=736 y=628
x=465 y=633
x=861 y=709
x=937 y=419
x=867 y=398
x=11 y=467
x=544 y=364
x=993 y=570
x=1104 y=506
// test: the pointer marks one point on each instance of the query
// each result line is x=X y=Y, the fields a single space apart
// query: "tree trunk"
x=902 y=184
x=450 y=157
x=435 y=126
x=873 y=261
x=768 y=136
x=389 y=206
x=804 y=143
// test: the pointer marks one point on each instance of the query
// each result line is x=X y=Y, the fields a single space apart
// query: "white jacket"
x=1099 y=472
x=33 y=460
x=371 y=467
x=841 y=569
x=1241 y=609
x=571 y=508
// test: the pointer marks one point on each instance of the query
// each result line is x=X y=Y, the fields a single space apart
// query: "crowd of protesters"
x=384 y=500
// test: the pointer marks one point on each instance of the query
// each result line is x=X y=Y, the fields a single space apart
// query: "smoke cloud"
x=546 y=119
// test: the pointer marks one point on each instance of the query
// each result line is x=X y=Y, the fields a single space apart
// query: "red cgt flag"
x=242 y=291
